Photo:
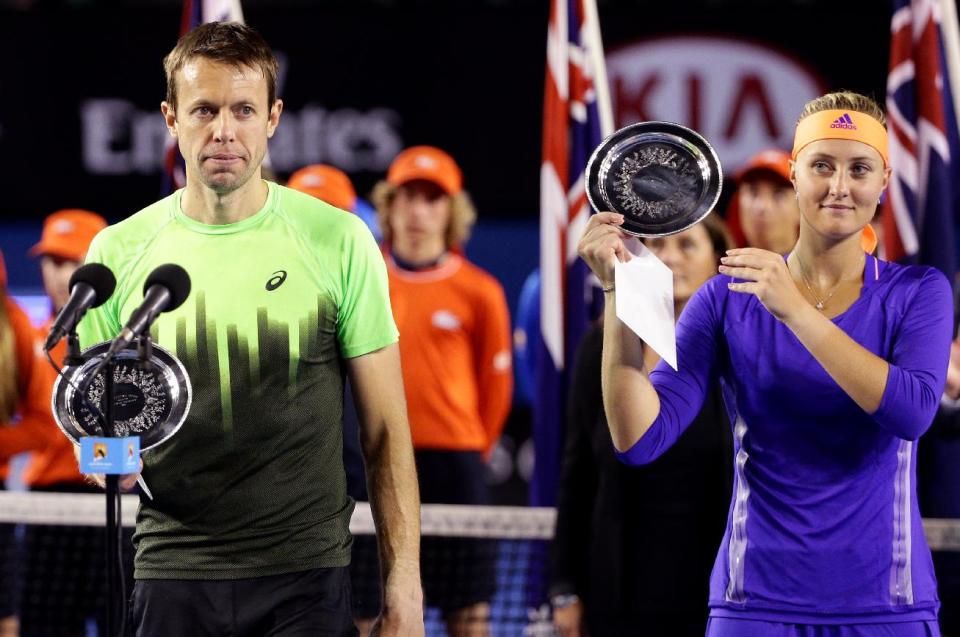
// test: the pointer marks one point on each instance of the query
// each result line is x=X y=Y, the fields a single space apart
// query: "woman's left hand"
x=765 y=275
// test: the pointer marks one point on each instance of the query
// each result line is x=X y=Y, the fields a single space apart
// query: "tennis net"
x=470 y=553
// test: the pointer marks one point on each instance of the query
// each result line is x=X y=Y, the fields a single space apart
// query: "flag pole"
x=600 y=83
x=950 y=33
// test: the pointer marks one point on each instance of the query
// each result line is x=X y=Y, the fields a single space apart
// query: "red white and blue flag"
x=923 y=202
x=576 y=118
x=195 y=13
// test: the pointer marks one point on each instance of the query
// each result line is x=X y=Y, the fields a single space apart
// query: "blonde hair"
x=463 y=214
x=844 y=101
x=8 y=364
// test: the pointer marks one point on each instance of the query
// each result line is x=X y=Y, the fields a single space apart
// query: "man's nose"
x=224 y=131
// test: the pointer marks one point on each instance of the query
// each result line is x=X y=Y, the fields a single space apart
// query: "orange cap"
x=427 y=163
x=771 y=160
x=68 y=233
x=325 y=183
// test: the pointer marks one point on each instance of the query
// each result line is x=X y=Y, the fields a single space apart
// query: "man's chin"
x=224 y=183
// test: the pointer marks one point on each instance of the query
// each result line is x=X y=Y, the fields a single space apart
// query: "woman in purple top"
x=832 y=365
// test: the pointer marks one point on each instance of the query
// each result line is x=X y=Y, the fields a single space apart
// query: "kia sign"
x=741 y=96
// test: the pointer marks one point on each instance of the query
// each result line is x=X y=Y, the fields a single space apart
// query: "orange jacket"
x=52 y=461
x=455 y=353
x=26 y=347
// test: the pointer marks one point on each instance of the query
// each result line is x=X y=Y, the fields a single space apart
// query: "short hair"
x=844 y=101
x=230 y=43
x=463 y=214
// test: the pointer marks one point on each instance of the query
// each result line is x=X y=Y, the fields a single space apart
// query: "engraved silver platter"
x=150 y=400
x=662 y=177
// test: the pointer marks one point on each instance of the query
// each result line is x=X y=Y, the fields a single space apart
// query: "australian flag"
x=923 y=203
x=195 y=13
x=576 y=118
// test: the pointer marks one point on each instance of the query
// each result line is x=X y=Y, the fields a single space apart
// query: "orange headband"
x=838 y=124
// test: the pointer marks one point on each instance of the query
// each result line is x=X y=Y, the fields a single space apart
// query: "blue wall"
x=23 y=272
x=509 y=250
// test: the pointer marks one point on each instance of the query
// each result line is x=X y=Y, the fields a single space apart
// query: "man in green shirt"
x=247 y=532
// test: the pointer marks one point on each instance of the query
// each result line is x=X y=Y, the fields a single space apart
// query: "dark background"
x=464 y=75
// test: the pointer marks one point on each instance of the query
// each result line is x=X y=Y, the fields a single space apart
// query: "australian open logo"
x=844 y=121
x=99 y=453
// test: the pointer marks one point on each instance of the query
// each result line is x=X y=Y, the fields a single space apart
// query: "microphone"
x=90 y=286
x=167 y=287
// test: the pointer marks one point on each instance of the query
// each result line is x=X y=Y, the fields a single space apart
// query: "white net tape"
x=436 y=519
x=445 y=520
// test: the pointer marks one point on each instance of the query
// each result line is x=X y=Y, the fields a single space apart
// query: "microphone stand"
x=144 y=351
x=115 y=620
x=74 y=356
x=113 y=514
x=116 y=604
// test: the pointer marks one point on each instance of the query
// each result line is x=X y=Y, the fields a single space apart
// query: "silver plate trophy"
x=150 y=400
x=662 y=177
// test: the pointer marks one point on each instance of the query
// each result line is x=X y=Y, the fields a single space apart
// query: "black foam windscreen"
x=175 y=279
x=97 y=276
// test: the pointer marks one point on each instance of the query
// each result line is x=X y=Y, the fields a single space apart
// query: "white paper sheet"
x=645 y=301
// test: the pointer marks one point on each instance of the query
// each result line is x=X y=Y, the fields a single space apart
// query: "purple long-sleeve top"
x=824 y=525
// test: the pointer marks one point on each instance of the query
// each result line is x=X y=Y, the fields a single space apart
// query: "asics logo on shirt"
x=276 y=280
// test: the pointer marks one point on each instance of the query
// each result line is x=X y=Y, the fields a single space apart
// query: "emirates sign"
x=743 y=97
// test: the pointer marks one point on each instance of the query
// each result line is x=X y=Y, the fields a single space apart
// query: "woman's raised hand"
x=601 y=245
x=765 y=275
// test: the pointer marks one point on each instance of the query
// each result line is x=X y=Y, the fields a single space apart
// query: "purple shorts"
x=726 y=627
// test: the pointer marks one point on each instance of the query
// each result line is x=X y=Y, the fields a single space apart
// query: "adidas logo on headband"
x=844 y=121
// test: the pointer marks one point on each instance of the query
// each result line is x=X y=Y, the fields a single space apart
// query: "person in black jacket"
x=634 y=545
x=938 y=474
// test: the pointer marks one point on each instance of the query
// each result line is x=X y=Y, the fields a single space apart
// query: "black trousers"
x=304 y=604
